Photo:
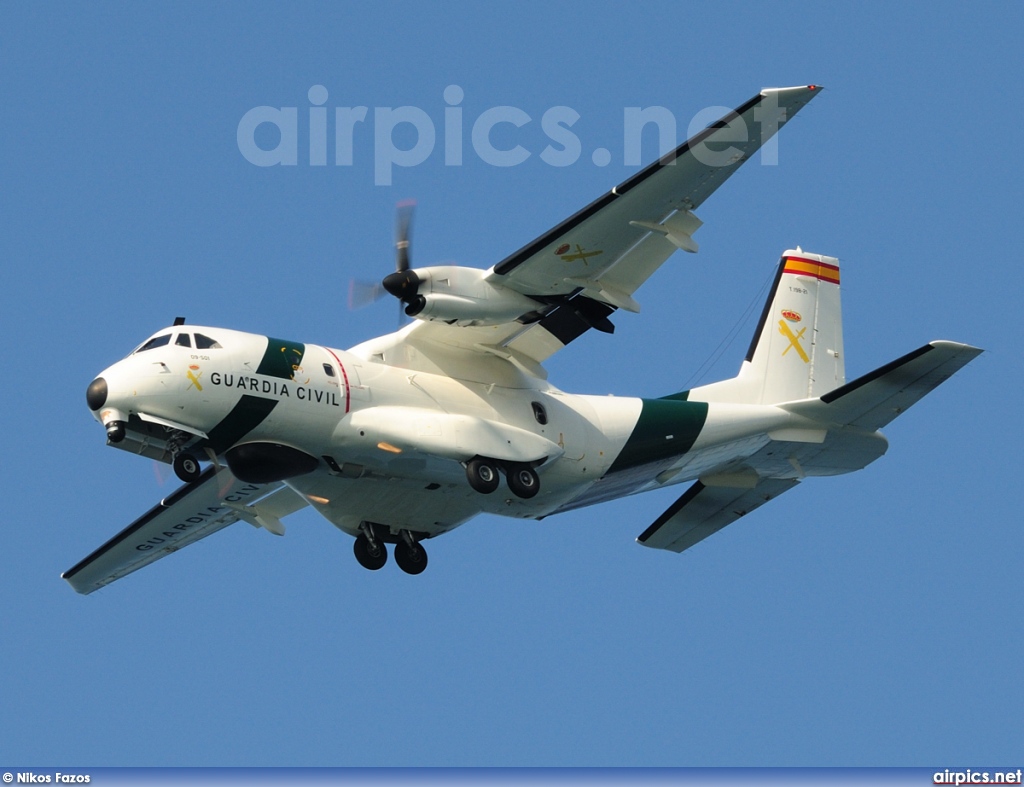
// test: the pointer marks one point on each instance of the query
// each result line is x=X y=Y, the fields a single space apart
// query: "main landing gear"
x=482 y=474
x=371 y=552
x=410 y=555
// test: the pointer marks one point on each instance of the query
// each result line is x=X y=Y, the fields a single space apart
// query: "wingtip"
x=791 y=90
x=970 y=349
x=77 y=587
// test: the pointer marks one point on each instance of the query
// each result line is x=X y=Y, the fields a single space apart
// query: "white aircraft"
x=407 y=436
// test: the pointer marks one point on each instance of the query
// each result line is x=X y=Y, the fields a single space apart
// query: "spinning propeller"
x=403 y=283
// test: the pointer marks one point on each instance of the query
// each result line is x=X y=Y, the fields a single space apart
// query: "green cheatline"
x=281 y=357
x=666 y=427
x=243 y=418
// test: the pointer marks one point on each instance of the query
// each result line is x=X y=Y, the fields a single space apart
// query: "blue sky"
x=872 y=619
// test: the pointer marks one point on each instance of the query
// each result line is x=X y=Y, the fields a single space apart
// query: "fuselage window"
x=156 y=341
x=206 y=343
x=328 y=370
x=183 y=340
x=539 y=413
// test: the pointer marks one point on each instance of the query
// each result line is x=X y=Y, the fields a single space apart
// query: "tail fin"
x=797 y=349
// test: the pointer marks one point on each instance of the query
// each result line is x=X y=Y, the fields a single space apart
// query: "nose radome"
x=96 y=394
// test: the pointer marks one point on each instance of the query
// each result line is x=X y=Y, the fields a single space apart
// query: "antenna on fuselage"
x=179 y=320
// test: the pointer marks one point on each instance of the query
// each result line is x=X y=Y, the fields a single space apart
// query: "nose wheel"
x=186 y=467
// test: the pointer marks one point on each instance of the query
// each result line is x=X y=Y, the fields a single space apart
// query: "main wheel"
x=411 y=559
x=186 y=467
x=482 y=474
x=523 y=481
x=371 y=557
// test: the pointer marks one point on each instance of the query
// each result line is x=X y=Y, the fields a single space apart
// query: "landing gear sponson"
x=483 y=475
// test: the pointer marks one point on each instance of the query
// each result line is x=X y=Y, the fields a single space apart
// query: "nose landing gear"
x=186 y=467
x=185 y=464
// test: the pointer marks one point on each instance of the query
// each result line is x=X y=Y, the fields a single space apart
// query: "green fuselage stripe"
x=281 y=358
x=245 y=416
x=666 y=428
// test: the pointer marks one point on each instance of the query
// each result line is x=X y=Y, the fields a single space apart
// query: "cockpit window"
x=156 y=341
x=183 y=340
x=206 y=343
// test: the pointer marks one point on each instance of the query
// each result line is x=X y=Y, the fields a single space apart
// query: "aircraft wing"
x=212 y=502
x=704 y=510
x=590 y=264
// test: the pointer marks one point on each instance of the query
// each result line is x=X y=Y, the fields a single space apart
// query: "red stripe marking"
x=813 y=262
x=827 y=272
x=344 y=374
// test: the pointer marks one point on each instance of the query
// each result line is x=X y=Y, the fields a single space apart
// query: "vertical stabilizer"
x=797 y=349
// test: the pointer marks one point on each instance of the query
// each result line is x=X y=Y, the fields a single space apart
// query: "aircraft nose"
x=96 y=394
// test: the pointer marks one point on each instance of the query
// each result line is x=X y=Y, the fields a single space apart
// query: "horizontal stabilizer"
x=875 y=399
x=704 y=510
x=196 y=510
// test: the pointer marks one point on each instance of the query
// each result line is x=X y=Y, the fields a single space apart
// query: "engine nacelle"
x=449 y=293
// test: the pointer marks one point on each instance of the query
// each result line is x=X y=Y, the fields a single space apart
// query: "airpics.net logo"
x=274 y=136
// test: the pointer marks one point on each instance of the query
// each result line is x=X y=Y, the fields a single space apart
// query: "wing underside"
x=197 y=510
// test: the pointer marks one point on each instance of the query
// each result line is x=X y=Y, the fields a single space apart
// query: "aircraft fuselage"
x=274 y=410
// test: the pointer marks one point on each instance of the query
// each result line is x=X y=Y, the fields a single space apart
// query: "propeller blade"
x=403 y=226
x=162 y=472
x=363 y=293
